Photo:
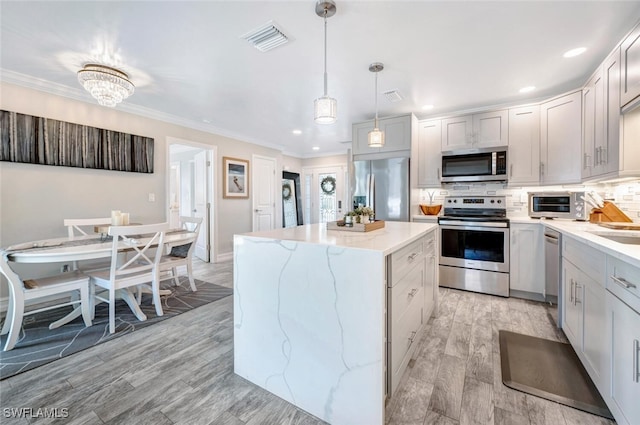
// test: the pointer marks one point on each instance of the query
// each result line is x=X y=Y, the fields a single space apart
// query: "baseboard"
x=227 y=256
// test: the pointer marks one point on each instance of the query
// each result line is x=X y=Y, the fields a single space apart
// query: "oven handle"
x=474 y=224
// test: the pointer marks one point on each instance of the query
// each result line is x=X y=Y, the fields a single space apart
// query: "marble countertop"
x=585 y=232
x=386 y=240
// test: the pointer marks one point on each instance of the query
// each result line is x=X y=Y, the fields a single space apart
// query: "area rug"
x=38 y=345
x=550 y=370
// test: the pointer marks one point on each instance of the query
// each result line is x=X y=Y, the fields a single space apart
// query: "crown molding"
x=81 y=95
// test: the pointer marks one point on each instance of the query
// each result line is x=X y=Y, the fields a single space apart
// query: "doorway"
x=191 y=190
x=324 y=193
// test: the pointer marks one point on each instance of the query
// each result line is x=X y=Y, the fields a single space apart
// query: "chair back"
x=75 y=224
x=191 y=224
x=144 y=245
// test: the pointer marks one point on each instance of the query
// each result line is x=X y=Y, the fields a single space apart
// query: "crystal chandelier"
x=375 y=137
x=325 y=107
x=108 y=85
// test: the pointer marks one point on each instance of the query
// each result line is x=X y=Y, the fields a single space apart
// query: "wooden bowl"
x=430 y=209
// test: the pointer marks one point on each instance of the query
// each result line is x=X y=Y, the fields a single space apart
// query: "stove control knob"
x=499 y=201
x=449 y=201
x=492 y=201
x=455 y=201
x=578 y=207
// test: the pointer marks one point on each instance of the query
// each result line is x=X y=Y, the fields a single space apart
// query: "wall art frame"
x=45 y=141
x=236 y=178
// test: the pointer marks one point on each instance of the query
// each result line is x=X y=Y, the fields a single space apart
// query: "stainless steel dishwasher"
x=553 y=278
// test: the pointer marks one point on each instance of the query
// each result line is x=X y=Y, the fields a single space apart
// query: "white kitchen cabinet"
x=527 y=258
x=475 y=131
x=398 y=134
x=630 y=60
x=592 y=122
x=601 y=120
x=561 y=139
x=585 y=320
x=624 y=323
x=427 y=153
x=410 y=302
x=524 y=146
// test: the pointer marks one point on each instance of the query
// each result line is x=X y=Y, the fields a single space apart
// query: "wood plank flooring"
x=180 y=371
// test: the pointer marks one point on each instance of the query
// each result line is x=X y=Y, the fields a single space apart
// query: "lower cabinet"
x=411 y=273
x=526 y=261
x=624 y=325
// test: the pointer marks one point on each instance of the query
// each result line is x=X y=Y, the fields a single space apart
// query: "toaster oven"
x=569 y=205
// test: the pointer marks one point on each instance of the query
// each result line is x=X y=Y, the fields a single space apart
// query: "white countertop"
x=581 y=230
x=388 y=239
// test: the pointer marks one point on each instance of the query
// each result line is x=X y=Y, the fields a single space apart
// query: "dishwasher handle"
x=551 y=239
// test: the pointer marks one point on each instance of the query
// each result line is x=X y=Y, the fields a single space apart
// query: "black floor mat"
x=550 y=370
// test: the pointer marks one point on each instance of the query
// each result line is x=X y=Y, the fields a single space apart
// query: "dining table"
x=85 y=247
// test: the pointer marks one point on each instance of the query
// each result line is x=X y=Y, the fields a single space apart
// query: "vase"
x=364 y=219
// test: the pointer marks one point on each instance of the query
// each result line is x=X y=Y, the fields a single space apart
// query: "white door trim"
x=212 y=156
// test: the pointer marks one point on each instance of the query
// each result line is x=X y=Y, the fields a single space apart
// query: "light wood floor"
x=180 y=371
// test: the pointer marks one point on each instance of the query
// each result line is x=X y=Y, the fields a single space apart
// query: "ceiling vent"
x=393 y=96
x=267 y=37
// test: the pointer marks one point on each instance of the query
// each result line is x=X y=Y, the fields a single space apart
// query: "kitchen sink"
x=625 y=239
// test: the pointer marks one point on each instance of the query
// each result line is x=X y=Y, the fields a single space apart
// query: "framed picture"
x=236 y=177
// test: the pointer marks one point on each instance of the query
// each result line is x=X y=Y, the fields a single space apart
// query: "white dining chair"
x=22 y=293
x=181 y=253
x=80 y=227
x=144 y=244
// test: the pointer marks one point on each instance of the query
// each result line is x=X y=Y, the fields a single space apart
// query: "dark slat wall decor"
x=37 y=140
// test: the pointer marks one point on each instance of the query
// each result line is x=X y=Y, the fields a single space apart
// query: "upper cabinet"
x=593 y=123
x=397 y=135
x=427 y=153
x=475 y=131
x=561 y=139
x=524 y=146
x=630 y=81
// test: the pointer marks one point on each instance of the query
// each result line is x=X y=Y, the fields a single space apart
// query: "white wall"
x=34 y=199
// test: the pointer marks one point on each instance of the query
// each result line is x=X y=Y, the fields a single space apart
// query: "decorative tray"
x=357 y=227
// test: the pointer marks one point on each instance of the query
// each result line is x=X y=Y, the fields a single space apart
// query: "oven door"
x=475 y=245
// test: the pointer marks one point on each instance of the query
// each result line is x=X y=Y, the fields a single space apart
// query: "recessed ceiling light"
x=316 y=148
x=427 y=107
x=297 y=131
x=527 y=89
x=575 y=52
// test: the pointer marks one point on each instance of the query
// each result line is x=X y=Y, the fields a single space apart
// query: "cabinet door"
x=359 y=144
x=397 y=133
x=491 y=129
x=526 y=258
x=630 y=60
x=595 y=348
x=572 y=324
x=610 y=150
x=429 y=158
x=593 y=123
x=561 y=139
x=431 y=278
x=457 y=133
x=625 y=358
x=524 y=146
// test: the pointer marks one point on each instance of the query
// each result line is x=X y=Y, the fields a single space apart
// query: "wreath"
x=286 y=191
x=328 y=185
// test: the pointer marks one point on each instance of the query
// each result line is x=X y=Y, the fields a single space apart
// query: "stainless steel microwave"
x=475 y=165
x=569 y=205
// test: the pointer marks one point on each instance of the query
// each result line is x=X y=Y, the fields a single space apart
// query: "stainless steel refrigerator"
x=382 y=184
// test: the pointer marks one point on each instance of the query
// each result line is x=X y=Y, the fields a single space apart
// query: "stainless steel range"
x=474 y=235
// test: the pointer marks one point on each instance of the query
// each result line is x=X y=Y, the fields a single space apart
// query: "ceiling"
x=191 y=66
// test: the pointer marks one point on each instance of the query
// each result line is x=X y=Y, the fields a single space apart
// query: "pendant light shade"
x=325 y=107
x=375 y=138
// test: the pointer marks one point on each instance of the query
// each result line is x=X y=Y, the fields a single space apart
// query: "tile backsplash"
x=625 y=195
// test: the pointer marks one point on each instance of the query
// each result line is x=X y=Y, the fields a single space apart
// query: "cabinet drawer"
x=589 y=260
x=402 y=259
x=623 y=280
x=409 y=289
x=404 y=335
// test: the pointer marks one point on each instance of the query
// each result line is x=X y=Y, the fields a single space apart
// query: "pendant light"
x=325 y=107
x=375 y=137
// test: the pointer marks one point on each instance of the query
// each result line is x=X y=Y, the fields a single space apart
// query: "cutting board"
x=620 y=225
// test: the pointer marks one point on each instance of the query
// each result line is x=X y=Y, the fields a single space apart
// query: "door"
x=524 y=145
x=429 y=160
x=474 y=247
x=263 y=181
x=200 y=204
x=324 y=194
x=572 y=323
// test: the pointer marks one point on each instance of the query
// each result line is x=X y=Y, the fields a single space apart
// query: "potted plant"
x=348 y=218
x=368 y=214
x=357 y=214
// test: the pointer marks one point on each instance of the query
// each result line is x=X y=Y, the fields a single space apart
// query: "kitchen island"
x=328 y=319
